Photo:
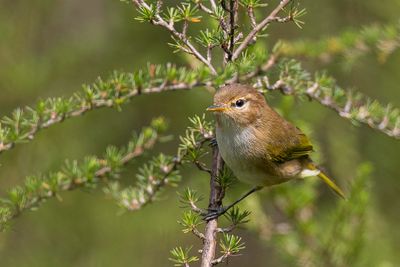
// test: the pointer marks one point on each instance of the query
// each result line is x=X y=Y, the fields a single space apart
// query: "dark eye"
x=239 y=103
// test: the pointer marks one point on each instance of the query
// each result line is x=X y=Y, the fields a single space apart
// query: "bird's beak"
x=216 y=108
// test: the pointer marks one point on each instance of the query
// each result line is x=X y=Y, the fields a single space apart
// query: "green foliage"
x=346 y=239
x=294 y=80
x=210 y=38
x=231 y=244
x=120 y=87
x=172 y=15
x=24 y=124
x=85 y=174
x=151 y=178
x=191 y=143
x=296 y=14
x=252 y=3
x=351 y=45
x=226 y=178
x=236 y=216
x=189 y=12
x=189 y=198
x=302 y=236
x=305 y=239
x=190 y=220
x=162 y=170
x=181 y=256
x=147 y=13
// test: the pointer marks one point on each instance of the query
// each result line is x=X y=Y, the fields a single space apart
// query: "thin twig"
x=196 y=209
x=202 y=167
x=250 y=12
x=198 y=234
x=226 y=229
x=220 y=259
x=233 y=8
x=259 y=27
x=213 y=5
x=209 y=54
x=181 y=36
x=205 y=9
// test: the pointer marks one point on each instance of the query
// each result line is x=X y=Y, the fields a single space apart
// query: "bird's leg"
x=213 y=214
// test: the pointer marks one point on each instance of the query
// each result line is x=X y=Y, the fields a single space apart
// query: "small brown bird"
x=258 y=145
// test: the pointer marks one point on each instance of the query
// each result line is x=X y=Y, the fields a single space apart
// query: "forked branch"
x=158 y=20
x=259 y=27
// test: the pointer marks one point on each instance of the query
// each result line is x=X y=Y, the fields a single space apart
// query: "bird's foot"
x=213 y=142
x=214 y=213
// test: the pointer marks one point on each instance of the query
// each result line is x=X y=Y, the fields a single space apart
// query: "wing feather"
x=296 y=145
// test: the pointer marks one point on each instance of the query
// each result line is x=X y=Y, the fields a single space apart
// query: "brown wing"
x=292 y=144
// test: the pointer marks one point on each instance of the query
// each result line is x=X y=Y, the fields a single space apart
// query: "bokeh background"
x=49 y=48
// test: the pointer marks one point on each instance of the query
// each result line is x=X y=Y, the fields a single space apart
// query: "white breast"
x=234 y=144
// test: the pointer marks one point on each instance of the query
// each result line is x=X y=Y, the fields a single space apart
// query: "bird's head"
x=239 y=104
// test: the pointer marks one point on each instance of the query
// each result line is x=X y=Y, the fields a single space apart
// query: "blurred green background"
x=50 y=47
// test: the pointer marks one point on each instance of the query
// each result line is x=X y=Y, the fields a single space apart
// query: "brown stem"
x=215 y=202
x=233 y=8
x=252 y=16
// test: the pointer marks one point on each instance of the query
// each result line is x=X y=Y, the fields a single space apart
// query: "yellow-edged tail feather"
x=328 y=181
x=332 y=185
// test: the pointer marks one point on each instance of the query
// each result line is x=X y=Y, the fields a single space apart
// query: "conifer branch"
x=151 y=178
x=294 y=80
x=74 y=175
x=162 y=170
x=238 y=66
x=382 y=40
x=155 y=18
x=259 y=27
x=118 y=89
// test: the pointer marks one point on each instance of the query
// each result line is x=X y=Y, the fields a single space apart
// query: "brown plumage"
x=260 y=146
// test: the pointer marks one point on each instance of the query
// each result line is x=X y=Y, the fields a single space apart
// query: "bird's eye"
x=239 y=103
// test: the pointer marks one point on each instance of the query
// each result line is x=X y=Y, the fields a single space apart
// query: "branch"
x=233 y=12
x=154 y=176
x=202 y=167
x=73 y=175
x=215 y=202
x=25 y=123
x=213 y=5
x=383 y=40
x=353 y=106
x=181 y=36
x=162 y=170
x=252 y=17
x=259 y=27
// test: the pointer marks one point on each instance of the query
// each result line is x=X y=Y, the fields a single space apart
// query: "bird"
x=260 y=146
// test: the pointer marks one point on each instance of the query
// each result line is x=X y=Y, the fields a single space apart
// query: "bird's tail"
x=328 y=181
x=331 y=184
